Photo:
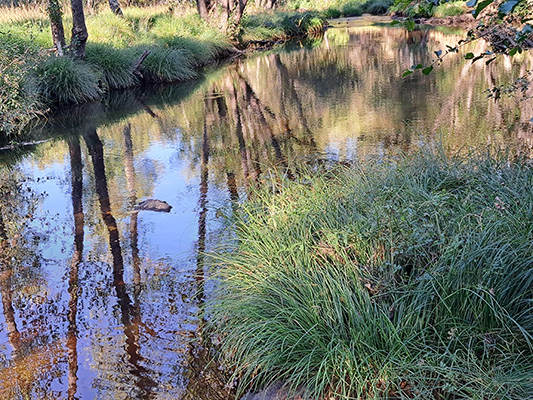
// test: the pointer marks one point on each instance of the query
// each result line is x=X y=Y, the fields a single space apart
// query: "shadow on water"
x=105 y=301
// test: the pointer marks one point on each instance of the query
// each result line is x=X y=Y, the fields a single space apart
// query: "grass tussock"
x=169 y=65
x=114 y=64
x=450 y=9
x=111 y=30
x=64 y=80
x=406 y=279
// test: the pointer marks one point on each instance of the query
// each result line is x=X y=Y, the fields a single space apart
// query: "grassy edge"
x=407 y=278
x=41 y=83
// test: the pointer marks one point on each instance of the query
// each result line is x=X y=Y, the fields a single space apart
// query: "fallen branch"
x=15 y=145
x=135 y=68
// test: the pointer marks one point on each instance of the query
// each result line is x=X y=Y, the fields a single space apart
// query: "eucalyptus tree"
x=79 y=29
x=56 y=23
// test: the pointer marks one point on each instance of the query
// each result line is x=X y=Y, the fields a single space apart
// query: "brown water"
x=101 y=302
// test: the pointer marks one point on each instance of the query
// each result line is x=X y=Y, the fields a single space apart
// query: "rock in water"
x=153 y=205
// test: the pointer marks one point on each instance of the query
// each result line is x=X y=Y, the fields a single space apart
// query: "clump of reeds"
x=393 y=279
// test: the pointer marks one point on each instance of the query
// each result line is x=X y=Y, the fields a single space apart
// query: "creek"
x=104 y=301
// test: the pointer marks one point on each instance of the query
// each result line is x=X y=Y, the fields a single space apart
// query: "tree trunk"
x=6 y=292
x=232 y=12
x=115 y=7
x=79 y=29
x=203 y=8
x=270 y=4
x=227 y=8
x=56 y=23
x=239 y=11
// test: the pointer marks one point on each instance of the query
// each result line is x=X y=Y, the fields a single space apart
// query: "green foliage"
x=414 y=8
x=16 y=106
x=111 y=29
x=341 y=8
x=505 y=24
x=63 y=80
x=54 y=11
x=406 y=279
x=114 y=64
x=450 y=9
x=169 y=65
x=281 y=25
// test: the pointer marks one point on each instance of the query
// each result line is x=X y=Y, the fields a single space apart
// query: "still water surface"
x=102 y=302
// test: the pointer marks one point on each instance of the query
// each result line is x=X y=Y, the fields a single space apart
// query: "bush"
x=406 y=279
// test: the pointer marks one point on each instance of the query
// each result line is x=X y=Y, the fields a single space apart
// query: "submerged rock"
x=153 y=205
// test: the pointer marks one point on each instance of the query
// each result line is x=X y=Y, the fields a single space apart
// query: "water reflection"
x=76 y=172
x=102 y=301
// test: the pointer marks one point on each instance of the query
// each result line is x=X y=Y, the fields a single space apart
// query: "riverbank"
x=400 y=278
x=178 y=44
